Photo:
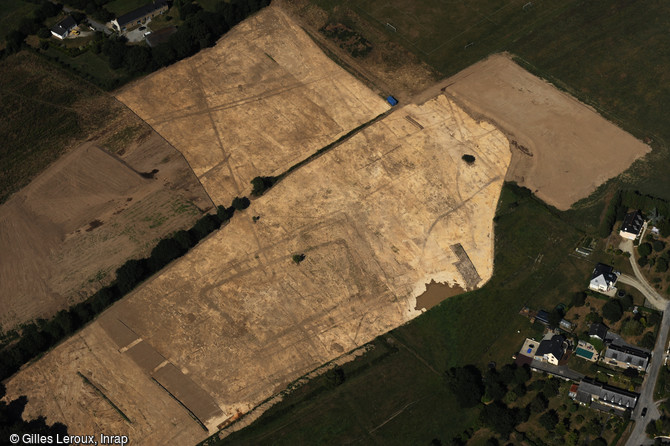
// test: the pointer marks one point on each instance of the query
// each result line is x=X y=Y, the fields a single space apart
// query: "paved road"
x=558 y=370
x=638 y=437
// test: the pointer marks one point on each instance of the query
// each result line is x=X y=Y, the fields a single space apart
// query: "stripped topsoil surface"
x=236 y=320
x=264 y=98
x=562 y=150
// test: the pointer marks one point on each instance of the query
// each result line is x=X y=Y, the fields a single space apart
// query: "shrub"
x=659 y=245
x=241 y=203
x=164 y=252
x=612 y=310
x=468 y=159
x=261 y=184
x=297 y=258
x=204 y=226
x=499 y=417
x=335 y=377
x=130 y=274
x=224 y=214
x=549 y=420
x=632 y=328
x=627 y=301
x=466 y=385
x=644 y=249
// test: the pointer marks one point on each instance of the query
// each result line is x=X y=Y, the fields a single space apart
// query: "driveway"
x=638 y=436
x=94 y=24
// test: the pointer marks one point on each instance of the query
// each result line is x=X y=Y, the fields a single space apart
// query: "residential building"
x=625 y=357
x=598 y=330
x=565 y=325
x=542 y=316
x=605 y=397
x=551 y=350
x=62 y=29
x=139 y=15
x=603 y=278
x=632 y=226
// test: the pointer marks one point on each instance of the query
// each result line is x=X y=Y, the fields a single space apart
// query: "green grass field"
x=120 y=7
x=532 y=267
x=11 y=13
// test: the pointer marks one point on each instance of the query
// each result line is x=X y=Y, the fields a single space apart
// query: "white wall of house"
x=627 y=235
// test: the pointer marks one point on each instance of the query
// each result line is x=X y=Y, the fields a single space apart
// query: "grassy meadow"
x=43 y=109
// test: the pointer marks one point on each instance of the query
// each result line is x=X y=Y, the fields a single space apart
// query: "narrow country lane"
x=638 y=436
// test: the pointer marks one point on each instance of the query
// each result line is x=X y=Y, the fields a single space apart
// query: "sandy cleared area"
x=235 y=320
x=217 y=107
x=64 y=234
x=562 y=149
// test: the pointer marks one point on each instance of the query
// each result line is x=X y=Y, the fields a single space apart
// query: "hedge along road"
x=638 y=436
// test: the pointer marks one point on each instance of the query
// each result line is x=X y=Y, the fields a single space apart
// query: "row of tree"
x=200 y=29
x=39 y=336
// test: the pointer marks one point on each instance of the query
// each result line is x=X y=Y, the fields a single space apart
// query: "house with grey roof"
x=605 y=397
x=551 y=350
x=625 y=357
x=598 y=330
x=603 y=278
x=139 y=15
x=632 y=226
x=62 y=29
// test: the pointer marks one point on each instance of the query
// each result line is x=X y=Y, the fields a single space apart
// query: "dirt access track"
x=562 y=149
x=218 y=106
x=235 y=320
x=64 y=234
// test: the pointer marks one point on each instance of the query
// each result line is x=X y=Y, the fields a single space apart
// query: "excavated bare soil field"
x=64 y=234
x=562 y=149
x=236 y=319
x=218 y=107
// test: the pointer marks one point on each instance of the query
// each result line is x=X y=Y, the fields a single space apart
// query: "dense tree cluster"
x=39 y=336
x=32 y=25
x=612 y=310
x=12 y=422
x=623 y=200
x=200 y=29
x=466 y=384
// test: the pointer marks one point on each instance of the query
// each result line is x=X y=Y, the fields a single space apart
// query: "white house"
x=632 y=226
x=603 y=278
x=63 y=28
x=551 y=350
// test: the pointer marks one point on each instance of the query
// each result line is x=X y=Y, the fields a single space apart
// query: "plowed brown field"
x=562 y=149
x=64 y=234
